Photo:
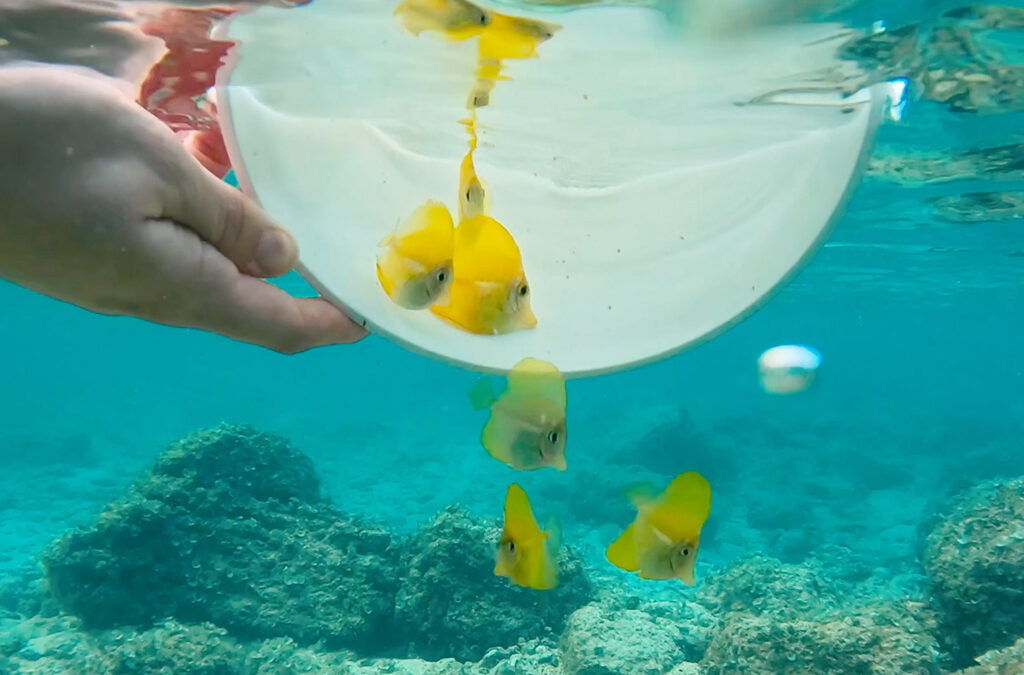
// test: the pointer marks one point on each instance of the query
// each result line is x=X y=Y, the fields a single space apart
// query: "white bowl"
x=659 y=189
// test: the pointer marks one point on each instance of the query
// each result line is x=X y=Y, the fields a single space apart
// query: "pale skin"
x=102 y=207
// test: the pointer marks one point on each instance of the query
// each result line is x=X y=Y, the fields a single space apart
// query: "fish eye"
x=442 y=275
x=553 y=436
x=686 y=552
x=511 y=547
x=469 y=194
x=523 y=290
x=482 y=18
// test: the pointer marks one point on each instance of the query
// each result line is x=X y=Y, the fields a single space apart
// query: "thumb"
x=231 y=222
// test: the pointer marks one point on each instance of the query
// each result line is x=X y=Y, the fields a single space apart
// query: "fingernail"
x=276 y=252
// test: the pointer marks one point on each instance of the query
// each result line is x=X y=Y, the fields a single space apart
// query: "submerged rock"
x=229 y=527
x=974 y=560
x=601 y=641
x=451 y=603
x=763 y=585
x=879 y=638
x=1006 y=661
x=779 y=618
x=172 y=647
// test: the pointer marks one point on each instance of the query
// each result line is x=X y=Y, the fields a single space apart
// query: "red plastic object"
x=176 y=87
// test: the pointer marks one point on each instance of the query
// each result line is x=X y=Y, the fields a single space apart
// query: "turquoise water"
x=830 y=509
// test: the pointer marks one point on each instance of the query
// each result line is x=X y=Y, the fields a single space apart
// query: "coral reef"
x=225 y=558
x=229 y=527
x=453 y=605
x=61 y=645
x=975 y=565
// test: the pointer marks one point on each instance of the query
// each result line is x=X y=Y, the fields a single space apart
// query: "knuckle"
x=232 y=222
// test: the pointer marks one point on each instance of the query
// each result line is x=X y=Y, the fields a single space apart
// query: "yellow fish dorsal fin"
x=641 y=495
x=485 y=251
x=535 y=379
x=622 y=551
x=683 y=507
x=520 y=525
x=427 y=235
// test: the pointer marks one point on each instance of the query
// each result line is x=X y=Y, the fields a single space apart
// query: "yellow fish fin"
x=554 y=534
x=428 y=235
x=533 y=378
x=520 y=524
x=641 y=494
x=683 y=507
x=691 y=493
x=485 y=251
x=622 y=551
x=385 y=282
x=482 y=394
x=395 y=270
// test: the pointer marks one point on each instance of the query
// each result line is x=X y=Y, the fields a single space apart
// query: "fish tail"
x=622 y=551
x=549 y=572
x=482 y=394
x=554 y=535
x=641 y=494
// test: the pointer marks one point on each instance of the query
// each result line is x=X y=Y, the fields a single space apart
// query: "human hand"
x=101 y=206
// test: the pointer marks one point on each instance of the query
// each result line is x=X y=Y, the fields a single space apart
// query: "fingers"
x=254 y=311
x=190 y=283
x=225 y=218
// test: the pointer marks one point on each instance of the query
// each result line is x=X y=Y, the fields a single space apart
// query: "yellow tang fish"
x=526 y=429
x=473 y=198
x=415 y=267
x=488 y=294
x=662 y=542
x=511 y=37
x=454 y=19
x=525 y=552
